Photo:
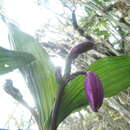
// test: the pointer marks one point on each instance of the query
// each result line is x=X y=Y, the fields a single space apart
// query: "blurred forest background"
x=107 y=23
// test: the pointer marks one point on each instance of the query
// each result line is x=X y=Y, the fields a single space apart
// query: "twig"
x=76 y=27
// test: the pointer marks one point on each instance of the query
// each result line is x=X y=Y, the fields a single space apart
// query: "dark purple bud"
x=81 y=48
x=94 y=91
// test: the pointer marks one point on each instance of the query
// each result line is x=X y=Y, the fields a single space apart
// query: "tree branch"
x=76 y=27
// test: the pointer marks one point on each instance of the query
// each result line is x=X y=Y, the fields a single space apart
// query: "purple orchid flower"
x=81 y=48
x=94 y=91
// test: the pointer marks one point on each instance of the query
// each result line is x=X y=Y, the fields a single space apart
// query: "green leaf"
x=40 y=75
x=114 y=73
x=10 y=60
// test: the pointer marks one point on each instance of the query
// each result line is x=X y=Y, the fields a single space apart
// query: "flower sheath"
x=94 y=91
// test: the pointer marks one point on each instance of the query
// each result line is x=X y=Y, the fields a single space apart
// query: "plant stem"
x=59 y=99
x=72 y=76
x=67 y=68
x=57 y=106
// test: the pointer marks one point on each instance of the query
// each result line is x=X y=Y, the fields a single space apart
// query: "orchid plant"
x=57 y=95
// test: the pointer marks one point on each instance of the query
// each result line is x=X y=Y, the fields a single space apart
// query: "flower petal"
x=94 y=91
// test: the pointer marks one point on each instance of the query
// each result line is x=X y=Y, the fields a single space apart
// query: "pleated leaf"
x=40 y=75
x=114 y=73
x=10 y=60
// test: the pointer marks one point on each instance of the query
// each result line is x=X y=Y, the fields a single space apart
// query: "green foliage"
x=40 y=75
x=102 y=1
x=103 y=33
x=114 y=73
x=10 y=60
